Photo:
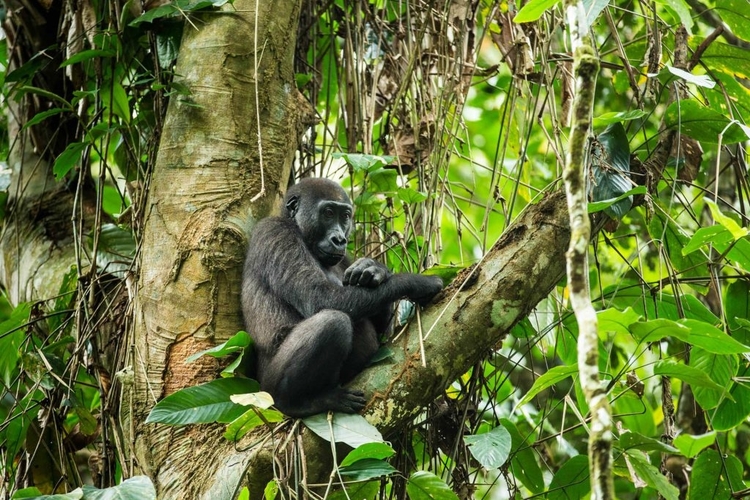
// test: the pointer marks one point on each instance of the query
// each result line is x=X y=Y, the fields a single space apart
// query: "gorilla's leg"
x=303 y=375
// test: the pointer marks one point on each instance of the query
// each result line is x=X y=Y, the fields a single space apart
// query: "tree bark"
x=198 y=214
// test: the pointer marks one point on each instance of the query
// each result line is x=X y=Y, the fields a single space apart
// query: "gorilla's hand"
x=425 y=288
x=366 y=272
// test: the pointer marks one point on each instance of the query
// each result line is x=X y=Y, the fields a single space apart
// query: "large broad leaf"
x=737 y=305
x=203 y=403
x=690 y=446
x=682 y=10
x=490 y=449
x=691 y=331
x=702 y=123
x=720 y=368
x=368 y=468
x=634 y=440
x=533 y=10
x=351 y=429
x=523 y=463
x=660 y=305
x=34 y=493
x=423 y=485
x=715 y=477
x=688 y=374
x=732 y=412
x=11 y=337
x=736 y=14
x=377 y=451
x=651 y=475
x=249 y=420
x=571 y=481
x=548 y=379
x=135 y=488
x=610 y=164
x=68 y=159
x=364 y=490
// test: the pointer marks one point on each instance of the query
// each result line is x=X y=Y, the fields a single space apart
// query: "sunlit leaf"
x=135 y=488
x=249 y=420
x=551 y=377
x=689 y=374
x=533 y=10
x=634 y=440
x=720 y=368
x=351 y=429
x=571 y=481
x=424 y=485
x=235 y=343
x=490 y=449
x=203 y=403
x=732 y=412
x=652 y=476
x=378 y=451
x=699 y=80
x=690 y=446
x=715 y=477
x=702 y=123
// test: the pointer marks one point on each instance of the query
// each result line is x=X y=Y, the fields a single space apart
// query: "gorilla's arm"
x=283 y=262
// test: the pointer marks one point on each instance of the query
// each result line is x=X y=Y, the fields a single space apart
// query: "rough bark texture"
x=198 y=215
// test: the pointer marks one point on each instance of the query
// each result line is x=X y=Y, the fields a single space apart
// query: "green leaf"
x=613 y=321
x=135 y=488
x=40 y=117
x=682 y=10
x=617 y=116
x=271 y=490
x=657 y=329
x=547 y=380
x=690 y=446
x=692 y=376
x=423 y=485
x=724 y=57
x=203 y=403
x=523 y=462
x=707 y=236
x=736 y=15
x=235 y=343
x=651 y=475
x=410 y=196
x=351 y=429
x=598 y=206
x=68 y=159
x=11 y=338
x=378 y=451
x=117 y=242
x=737 y=307
x=85 y=55
x=571 y=481
x=712 y=339
x=730 y=224
x=715 y=477
x=720 y=368
x=533 y=10
x=702 y=123
x=633 y=440
x=34 y=493
x=662 y=305
x=492 y=448
x=249 y=420
x=593 y=8
x=364 y=491
x=364 y=163
x=115 y=99
x=732 y=412
x=383 y=180
x=367 y=468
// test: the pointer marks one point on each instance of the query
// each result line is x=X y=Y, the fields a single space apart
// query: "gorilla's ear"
x=292 y=205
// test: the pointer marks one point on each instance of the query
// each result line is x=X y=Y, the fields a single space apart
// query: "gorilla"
x=315 y=318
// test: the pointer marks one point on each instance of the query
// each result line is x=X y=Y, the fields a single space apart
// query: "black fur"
x=315 y=319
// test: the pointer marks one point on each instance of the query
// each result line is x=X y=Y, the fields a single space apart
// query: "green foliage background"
x=670 y=276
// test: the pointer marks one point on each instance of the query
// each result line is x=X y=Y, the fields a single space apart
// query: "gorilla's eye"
x=328 y=213
x=347 y=216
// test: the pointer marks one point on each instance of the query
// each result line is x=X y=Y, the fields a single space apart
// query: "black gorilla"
x=315 y=319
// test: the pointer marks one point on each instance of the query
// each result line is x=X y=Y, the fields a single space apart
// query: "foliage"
x=441 y=147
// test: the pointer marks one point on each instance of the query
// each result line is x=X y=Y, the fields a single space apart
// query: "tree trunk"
x=198 y=214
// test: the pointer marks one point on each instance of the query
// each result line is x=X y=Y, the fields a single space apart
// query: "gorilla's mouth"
x=331 y=258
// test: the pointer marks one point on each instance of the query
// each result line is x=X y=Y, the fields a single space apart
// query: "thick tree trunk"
x=198 y=213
